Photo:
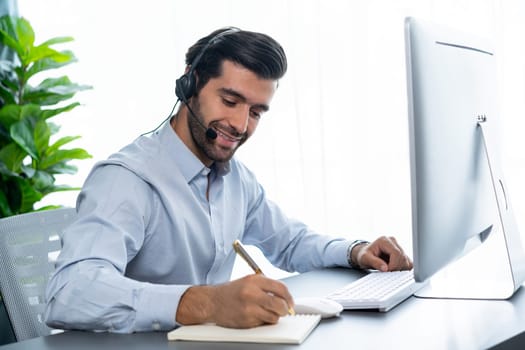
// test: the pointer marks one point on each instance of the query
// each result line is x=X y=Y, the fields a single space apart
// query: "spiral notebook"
x=289 y=330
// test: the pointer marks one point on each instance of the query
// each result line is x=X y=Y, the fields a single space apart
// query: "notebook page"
x=289 y=330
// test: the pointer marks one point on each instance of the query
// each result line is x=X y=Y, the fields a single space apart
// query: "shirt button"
x=155 y=326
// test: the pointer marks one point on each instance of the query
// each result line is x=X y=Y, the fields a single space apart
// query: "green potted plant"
x=30 y=154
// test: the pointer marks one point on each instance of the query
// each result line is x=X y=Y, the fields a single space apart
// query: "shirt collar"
x=189 y=165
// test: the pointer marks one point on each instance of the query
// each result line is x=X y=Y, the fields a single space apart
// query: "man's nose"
x=239 y=119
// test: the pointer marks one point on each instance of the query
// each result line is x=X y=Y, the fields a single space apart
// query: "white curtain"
x=333 y=150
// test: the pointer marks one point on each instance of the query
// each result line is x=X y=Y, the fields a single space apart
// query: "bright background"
x=333 y=150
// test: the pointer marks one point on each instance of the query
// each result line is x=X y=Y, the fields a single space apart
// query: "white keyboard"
x=377 y=290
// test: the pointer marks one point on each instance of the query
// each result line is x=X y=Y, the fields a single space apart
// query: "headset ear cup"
x=185 y=86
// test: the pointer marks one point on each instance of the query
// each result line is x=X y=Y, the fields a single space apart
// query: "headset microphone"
x=211 y=134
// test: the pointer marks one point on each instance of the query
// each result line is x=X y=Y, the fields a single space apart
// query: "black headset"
x=185 y=86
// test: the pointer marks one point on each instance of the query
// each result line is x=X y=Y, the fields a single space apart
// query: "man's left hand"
x=383 y=254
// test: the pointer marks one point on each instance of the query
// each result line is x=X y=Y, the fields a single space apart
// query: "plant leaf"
x=5 y=138
x=62 y=168
x=49 y=63
x=22 y=134
x=8 y=82
x=11 y=43
x=8 y=35
x=12 y=156
x=28 y=171
x=53 y=90
x=63 y=188
x=9 y=78
x=41 y=135
x=40 y=52
x=5 y=209
x=17 y=33
x=63 y=155
x=46 y=98
x=43 y=181
x=4 y=169
x=60 y=142
x=57 y=40
x=29 y=196
x=6 y=95
x=7 y=25
x=10 y=114
x=48 y=113
x=13 y=193
x=55 y=128
x=24 y=33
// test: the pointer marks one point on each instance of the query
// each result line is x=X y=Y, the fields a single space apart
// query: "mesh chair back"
x=29 y=245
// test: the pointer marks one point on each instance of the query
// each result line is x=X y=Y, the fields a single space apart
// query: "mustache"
x=227 y=132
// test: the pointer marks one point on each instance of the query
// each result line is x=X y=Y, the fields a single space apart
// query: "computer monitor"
x=465 y=241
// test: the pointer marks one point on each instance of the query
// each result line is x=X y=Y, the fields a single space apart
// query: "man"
x=152 y=247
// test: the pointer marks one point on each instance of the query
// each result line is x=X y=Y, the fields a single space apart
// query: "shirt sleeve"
x=288 y=243
x=89 y=289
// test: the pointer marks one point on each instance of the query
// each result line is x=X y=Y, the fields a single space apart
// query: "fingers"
x=281 y=299
x=373 y=262
x=272 y=308
x=399 y=260
x=251 y=301
x=384 y=254
x=273 y=297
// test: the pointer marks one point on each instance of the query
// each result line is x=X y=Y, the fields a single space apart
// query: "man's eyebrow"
x=238 y=95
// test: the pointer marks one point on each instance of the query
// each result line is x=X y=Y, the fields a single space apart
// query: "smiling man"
x=234 y=103
x=152 y=246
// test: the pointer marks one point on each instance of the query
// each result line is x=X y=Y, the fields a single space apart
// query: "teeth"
x=227 y=137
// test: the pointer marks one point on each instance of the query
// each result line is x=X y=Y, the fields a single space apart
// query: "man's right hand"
x=247 y=302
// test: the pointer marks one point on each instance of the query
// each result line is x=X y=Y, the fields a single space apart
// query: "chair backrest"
x=29 y=245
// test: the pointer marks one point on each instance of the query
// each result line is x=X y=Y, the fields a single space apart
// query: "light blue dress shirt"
x=146 y=232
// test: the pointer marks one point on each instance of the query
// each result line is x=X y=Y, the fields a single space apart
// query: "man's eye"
x=228 y=102
x=255 y=115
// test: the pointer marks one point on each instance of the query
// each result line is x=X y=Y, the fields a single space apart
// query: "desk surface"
x=416 y=323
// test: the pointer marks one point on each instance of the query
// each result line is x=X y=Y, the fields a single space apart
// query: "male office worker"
x=152 y=247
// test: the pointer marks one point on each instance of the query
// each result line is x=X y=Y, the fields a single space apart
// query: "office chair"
x=29 y=245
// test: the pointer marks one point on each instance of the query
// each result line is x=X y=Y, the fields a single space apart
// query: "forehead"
x=236 y=78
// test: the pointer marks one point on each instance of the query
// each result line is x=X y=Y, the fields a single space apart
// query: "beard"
x=205 y=144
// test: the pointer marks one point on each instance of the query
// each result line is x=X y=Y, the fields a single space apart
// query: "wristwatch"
x=349 y=252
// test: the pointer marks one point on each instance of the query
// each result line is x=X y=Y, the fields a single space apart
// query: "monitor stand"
x=495 y=269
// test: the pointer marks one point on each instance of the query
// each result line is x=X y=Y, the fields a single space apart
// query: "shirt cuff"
x=157 y=307
x=337 y=253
